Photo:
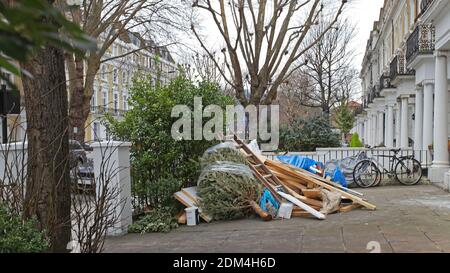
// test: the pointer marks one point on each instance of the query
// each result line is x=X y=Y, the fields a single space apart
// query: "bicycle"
x=405 y=169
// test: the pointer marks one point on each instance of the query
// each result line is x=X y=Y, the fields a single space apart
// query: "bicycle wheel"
x=408 y=171
x=366 y=174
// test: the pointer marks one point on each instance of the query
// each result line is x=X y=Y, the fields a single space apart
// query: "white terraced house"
x=405 y=76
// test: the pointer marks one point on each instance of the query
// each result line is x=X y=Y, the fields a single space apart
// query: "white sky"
x=363 y=13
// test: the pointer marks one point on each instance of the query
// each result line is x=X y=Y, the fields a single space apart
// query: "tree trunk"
x=48 y=182
x=81 y=92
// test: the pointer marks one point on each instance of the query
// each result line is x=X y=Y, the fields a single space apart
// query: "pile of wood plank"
x=307 y=191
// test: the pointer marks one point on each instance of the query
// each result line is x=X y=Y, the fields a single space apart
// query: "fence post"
x=117 y=155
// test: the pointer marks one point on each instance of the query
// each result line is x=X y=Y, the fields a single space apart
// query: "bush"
x=160 y=164
x=20 y=236
x=159 y=220
x=355 y=142
x=307 y=136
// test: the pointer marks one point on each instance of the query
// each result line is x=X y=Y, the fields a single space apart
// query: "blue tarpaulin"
x=338 y=177
x=267 y=197
x=306 y=163
x=299 y=161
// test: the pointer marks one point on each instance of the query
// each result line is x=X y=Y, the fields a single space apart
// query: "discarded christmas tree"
x=229 y=191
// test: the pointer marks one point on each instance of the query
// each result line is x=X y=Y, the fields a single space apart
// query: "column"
x=366 y=131
x=440 y=113
x=404 y=123
x=428 y=91
x=373 y=133
x=112 y=172
x=390 y=126
x=380 y=128
x=398 y=124
x=418 y=128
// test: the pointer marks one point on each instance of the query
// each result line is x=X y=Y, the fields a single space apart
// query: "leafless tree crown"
x=263 y=39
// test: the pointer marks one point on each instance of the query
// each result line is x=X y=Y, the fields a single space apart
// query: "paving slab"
x=407 y=219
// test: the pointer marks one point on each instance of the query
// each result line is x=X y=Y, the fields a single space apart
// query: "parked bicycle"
x=405 y=169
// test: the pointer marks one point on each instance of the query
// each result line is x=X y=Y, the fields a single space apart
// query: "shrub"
x=159 y=220
x=355 y=142
x=307 y=136
x=18 y=235
x=160 y=164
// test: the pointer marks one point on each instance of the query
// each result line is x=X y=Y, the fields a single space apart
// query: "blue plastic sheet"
x=299 y=161
x=267 y=197
x=338 y=177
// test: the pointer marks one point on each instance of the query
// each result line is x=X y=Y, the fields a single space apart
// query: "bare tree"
x=202 y=67
x=263 y=40
x=106 y=21
x=329 y=67
x=290 y=97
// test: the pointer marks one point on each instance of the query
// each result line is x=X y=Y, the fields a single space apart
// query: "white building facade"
x=405 y=82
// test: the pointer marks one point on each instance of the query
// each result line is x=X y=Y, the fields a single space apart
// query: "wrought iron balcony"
x=385 y=82
x=421 y=41
x=398 y=68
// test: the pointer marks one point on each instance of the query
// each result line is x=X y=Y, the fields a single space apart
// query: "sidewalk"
x=408 y=219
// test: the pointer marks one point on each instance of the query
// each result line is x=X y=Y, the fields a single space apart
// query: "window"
x=104 y=72
x=104 y=98
x=125 y=102
x=115 y=75
x=124 y=77
x=116 y=102
x=96 y=131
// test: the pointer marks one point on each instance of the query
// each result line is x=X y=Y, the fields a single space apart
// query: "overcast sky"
x=363 y=13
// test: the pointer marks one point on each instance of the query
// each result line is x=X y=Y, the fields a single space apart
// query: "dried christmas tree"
x=229 y=191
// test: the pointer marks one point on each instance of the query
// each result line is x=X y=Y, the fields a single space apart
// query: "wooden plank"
x=349 y=208
x=320 y=183
x=302 y=205
x=191 y=193
x=300 y=214
x=312 y=193
x=185 y=200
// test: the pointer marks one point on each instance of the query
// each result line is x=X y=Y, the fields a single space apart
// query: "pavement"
x=407 y=219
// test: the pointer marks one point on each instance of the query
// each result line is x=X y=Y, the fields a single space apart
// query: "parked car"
x=81 y=166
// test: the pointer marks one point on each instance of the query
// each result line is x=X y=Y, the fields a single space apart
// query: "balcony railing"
x=398 y=68
x=100 y=110
x=421 y=41
x=385 y=82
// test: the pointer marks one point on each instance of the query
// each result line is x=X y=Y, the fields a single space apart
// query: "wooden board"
x=186 y=200
x=317 y=181
x=349 y=208
x=314 y=193
x=300 y=213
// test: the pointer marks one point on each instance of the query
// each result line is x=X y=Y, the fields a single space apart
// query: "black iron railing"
x=385 y=82
x=421 y=41
x=398 y=68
